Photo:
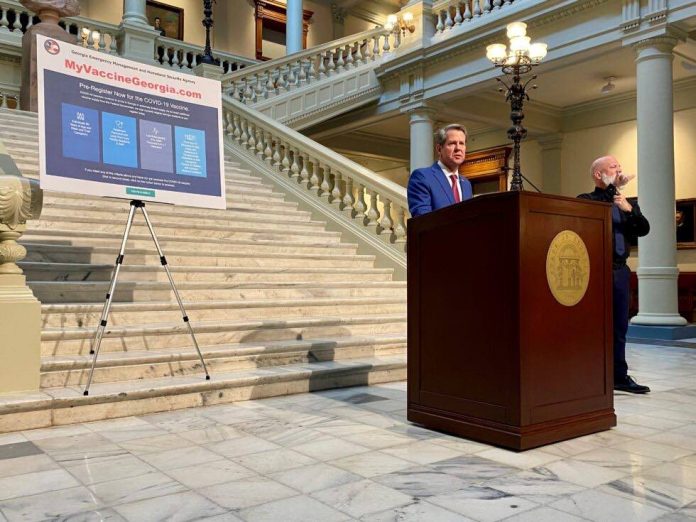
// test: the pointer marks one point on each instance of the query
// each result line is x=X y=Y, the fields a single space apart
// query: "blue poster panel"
x=128 y=130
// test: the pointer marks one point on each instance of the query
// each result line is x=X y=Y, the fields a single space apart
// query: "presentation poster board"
x=118 y=128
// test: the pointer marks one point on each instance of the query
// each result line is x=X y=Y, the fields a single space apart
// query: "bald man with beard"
x=628 y=223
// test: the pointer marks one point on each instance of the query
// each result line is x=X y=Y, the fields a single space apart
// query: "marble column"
x=136 y=37
x=551 y=147
x=657 y=252
x=293 y=27
x=134 y=12
x=422 y=137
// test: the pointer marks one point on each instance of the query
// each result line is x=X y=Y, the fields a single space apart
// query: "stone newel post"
x=20 y=311
x=49 y=11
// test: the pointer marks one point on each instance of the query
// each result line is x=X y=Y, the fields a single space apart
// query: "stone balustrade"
x=181 y=55
x=376 y=204
x=266 y=80
x=450 y=14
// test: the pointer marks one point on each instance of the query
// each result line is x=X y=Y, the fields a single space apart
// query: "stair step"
x=39 y=253
x=248 y=230
x=129 y=366
x=67 y=236
x=123 y=314
x=172 y=335
x=119 y=214
x=148 y=291
x=68 y=405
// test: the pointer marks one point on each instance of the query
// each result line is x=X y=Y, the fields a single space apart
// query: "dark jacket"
x=627 y=226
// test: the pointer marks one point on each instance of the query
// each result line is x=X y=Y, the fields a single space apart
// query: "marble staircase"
x=279 y=304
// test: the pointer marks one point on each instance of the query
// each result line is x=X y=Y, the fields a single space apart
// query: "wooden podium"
x=493 y=354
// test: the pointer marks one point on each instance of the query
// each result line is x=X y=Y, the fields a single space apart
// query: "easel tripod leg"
x=96 y=344
x=163 y=260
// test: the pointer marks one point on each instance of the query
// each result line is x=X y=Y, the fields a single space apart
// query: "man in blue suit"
x=440 y=185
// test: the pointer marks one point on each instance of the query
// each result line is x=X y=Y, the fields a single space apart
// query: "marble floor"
x=351 y=455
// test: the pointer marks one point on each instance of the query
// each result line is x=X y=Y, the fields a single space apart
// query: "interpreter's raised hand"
x=623 y=179
x=621 y=202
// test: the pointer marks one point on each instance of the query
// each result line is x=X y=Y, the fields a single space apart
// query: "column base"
x=661 y=333
x=657 y=319
x=20 y=328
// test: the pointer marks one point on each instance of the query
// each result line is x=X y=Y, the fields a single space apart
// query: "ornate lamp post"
x=208 y=24
x=516 y=61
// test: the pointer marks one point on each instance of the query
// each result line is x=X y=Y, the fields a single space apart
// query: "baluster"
x=113 y=44
x=311 y=72
x=176 y=61
x=397 y=40
x=340 y=62
x=244 y=137
x=368 y=51
x=292 y=79
x=251 y=143
x=4 y=104
x=4 y=22
x=331 y=67
x=260 y=145
x=248 y=91
x=229 y=128
x=486 y=6
x=304 y=173
x=301 y=74
x=440 y=26
x=448 y=19
x=285 y=164
x=237 y=128
x=295 y=166
x=78 y=37
x=497 y=4
x=102 y=43
x=458 y=18
x=322 y=66
x=17 y=24
x=314 y=178
x=467 y=10
x=268 y=151
x=400 y=225
x=280 y=83
x=258 y=91
x=386 y=223
x=90 y=39
x=30 y=21
x=360 y=206
x=349 y=57
x=375 y=48
x=276 y=155
x=372 y=213
x=336 y=192
x=477 y=8
x=386 y=47
x=348 y=199
x=358 y=53
x=325 y=188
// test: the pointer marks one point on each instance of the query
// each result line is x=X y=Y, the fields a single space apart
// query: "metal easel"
x=135 y=204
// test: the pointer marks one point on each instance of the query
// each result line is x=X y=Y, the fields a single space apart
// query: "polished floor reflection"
x=350 y=455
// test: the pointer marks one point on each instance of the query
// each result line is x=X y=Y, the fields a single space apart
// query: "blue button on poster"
x=190 y=152
x=80 y=132
x=119 y=140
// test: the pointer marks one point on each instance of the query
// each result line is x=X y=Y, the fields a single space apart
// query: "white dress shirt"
x=448 y=174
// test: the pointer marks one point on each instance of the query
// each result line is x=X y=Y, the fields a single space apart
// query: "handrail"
x=276 y=77
x=352 y=189
x=177 y=53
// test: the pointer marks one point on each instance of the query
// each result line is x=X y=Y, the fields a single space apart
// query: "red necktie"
x=455 y=188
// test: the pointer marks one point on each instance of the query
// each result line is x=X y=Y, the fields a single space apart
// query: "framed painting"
x=166 y=19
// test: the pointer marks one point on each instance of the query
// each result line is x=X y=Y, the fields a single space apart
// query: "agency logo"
x=51 y=47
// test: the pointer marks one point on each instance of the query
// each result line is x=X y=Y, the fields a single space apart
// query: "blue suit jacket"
x=429 y=189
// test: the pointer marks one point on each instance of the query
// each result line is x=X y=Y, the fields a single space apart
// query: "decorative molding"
x=362 y=97
x=630 y=15
x=367 y=15
x=338 y=14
